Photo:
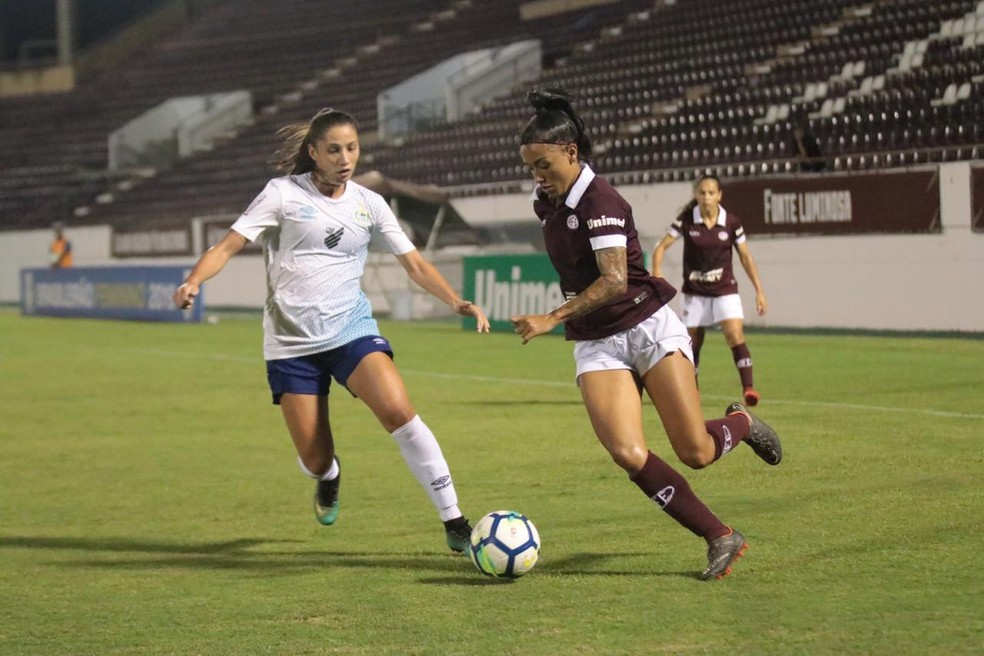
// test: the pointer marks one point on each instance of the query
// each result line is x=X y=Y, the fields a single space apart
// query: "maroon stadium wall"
x=977 y=198
x=886 y=202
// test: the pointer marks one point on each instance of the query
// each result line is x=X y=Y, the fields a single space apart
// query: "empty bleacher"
x=668 y=91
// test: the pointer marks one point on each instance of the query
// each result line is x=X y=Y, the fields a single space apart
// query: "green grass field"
x=150 y=503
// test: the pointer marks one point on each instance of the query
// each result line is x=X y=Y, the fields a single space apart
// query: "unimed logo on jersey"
x=605 y=221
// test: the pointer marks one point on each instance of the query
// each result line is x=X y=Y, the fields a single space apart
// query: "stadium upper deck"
x=668 y=90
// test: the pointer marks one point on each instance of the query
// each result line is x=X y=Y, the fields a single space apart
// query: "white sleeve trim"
x=608 y=241
x=740 y=239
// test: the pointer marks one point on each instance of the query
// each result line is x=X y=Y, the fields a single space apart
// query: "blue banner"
x=141 y=293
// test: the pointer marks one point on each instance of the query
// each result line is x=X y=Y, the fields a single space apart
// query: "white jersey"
x=315 y=249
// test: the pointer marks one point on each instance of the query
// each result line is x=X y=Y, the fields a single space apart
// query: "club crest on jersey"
x=362 y=218
x=334 y=236
x=308 y=212
x=572 y=222
x=723 y=236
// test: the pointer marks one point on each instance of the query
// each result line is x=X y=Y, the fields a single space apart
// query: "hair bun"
x=549 y=100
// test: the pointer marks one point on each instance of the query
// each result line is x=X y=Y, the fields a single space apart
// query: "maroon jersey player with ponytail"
x=626 y=338
x=710 y=290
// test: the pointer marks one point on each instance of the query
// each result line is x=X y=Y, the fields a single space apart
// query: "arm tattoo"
x=612 y=282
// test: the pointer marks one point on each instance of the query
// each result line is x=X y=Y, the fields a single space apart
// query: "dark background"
x=28 y=20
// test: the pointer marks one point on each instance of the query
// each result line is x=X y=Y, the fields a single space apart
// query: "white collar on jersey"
x=305 y=182
x=722 y=216
x=577 y=189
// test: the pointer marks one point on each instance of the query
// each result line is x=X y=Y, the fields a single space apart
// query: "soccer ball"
x=504 y=544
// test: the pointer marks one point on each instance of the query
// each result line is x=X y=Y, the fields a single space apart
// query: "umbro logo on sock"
x=727 y=440
x=441 y=483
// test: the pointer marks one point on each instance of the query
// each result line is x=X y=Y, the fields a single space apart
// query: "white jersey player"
x=315 y=224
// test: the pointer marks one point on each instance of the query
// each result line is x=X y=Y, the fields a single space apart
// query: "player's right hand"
x=185 y=295
x=529 y=326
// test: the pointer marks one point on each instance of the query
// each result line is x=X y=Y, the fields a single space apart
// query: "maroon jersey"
x=594 y=216
x=707 y=269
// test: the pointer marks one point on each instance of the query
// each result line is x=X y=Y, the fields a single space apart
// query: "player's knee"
x=629 y=458
x=694 y=457
x=394 y=417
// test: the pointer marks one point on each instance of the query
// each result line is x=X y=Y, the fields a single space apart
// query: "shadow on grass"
x=129 y=544
x=580 y=564
x=239 y=555
x=227 y=555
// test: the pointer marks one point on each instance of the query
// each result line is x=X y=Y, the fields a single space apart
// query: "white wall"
x=900 y=282
x=885 y=282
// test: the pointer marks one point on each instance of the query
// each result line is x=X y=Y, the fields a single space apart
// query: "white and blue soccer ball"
x=504 y=544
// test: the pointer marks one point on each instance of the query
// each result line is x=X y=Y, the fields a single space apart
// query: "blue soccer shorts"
x=312 y=374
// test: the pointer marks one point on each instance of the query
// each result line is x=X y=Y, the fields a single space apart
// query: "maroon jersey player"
x=710 y=291
x=626 y=338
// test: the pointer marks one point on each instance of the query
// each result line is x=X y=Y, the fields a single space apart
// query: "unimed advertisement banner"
x=883 y=202
x=505 y=286
x=131 y=292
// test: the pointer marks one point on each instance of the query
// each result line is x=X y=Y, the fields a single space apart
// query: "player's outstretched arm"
x=428 y=277
x=613 y=281
x=209 y=264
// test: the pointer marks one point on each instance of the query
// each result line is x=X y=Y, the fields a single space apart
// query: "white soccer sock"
x=329 y=475
x=423 y=456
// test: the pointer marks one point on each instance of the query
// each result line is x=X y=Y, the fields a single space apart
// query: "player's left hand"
x=184 y=296
x=532 y=325
x=469 y=309
x=760 y=304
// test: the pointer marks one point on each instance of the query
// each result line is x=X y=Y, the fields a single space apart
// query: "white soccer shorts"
x=710 y=310
x=636 y=349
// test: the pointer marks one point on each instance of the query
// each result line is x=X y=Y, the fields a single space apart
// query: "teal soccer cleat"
x=326 y=500
x=459 y=534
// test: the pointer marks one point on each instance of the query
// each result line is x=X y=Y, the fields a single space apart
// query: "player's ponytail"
x=293 y=157
x=555 y=122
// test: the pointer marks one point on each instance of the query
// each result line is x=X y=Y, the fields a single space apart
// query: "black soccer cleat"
x=722 y=552
x=763 y=440
x=459 y=534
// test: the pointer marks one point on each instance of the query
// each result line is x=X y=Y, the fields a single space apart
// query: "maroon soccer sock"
x=727 y=433
x=743 y=360
x=672 y=493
